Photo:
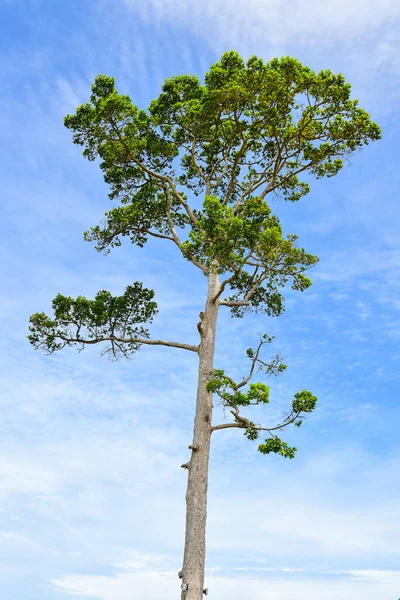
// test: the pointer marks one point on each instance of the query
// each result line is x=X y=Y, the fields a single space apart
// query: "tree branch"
x=154 y=174
x=199 y=169
x=112 y=338
x=249 y=294
x=233 y=171
x=254 y=359
x=161 y=236
x=176 y=237
x=226 y=426
x=245 y=423
x=232 y=278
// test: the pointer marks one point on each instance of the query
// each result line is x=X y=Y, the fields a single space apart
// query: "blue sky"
x=91 y=490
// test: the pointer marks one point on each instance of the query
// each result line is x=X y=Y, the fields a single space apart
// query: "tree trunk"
x=192 y=574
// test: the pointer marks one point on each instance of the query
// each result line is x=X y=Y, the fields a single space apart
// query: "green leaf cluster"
x=257 y=393
x=304 y=402
x=251 y=113
x=276 y=446
x=109 y=318
x=231 y=237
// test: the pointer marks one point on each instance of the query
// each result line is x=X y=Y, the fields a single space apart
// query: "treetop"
x=251 y=129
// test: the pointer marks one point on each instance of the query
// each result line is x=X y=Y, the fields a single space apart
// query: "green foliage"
x=250 y=130
x=251 y=432
x=253 y=113
x=231 y=238
x=257 y=393
x=111 y=128
x=134 y=220
x=80 y=321
x=276 y=446
x=280 y=262
x=304 y=402
x=219 y=381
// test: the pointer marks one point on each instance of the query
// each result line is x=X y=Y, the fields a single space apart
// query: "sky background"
x=91 y=489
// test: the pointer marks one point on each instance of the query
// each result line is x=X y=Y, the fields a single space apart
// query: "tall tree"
x=196 y=169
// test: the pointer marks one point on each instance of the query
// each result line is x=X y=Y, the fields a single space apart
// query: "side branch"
x=250 y=292
x=123 y=340
x=245 y=423
x=236 y=272
x=227 y=426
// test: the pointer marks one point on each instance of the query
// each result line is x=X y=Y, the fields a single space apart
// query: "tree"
x=196 y=169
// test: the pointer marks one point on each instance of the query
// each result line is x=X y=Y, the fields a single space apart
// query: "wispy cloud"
x=365 y=29
x=145 y=581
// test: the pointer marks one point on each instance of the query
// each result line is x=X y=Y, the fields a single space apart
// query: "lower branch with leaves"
x=117 y=320
x=257 y=394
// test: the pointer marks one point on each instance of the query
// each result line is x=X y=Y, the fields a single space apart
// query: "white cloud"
x=298 y=20
x=144 y=582
x=18 y=539
x=67 y=93
x=247 y=24
x=300 y=525
x=356 y=37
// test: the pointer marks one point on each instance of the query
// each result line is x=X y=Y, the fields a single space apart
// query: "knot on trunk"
x=185 y=466
x=193 y=447
x=199 y=324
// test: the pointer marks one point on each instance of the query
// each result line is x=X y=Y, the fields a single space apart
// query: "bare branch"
x=115 y=339
x=232 y=303
x=253 y=364
x=169 y=219
x=199 y=169
x=223 y=172
x=233 y=171
x=249 y=294
x=244 y=423
x=226 y=426
x=176 y=237
x=161 y=236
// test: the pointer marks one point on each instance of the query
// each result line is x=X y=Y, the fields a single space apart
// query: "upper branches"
x=254 y=127
x=118 y=320
x=250 y=130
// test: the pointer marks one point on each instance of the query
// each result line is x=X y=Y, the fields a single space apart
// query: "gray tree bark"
x=192 y=574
